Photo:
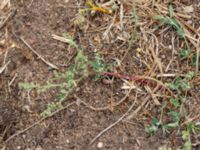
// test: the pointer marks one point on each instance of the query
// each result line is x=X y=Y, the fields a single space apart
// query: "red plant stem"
x=131 y=78
x=112 y=74
x=141 y=80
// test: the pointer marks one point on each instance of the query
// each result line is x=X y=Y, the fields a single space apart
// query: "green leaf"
x=174 y=116
x=172 y=22
x=184 y=85
x=70 y=41
x=187 y=145
x=194 y=60
x=152 y=129
x=173 y=86
x=171 y=11
x=175 y=102
x=171 y=125
x=98 y=66
x=186 y=137
x=180 y=84
x=156 y=122
x=190 y=75
x=28 y=86
x=134 y=16
x=184 y=53
x=193 y=127
x=50 y=108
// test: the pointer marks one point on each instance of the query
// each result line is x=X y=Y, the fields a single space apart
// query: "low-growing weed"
x=184 y=54
x=99 y=66
x=171 y=21
x=181 y=84
x=175 y=112
x=68 y=80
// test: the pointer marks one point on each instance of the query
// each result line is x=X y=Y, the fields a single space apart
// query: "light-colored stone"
x=100 y=145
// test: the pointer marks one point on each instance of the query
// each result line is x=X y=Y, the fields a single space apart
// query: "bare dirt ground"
x=146 y=54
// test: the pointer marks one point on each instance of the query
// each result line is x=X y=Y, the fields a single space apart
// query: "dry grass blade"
x=4 y=67
x=134 y=113
x=4 y=3
x=153 y=96
x=60 y=38
x=115 y=123
x=36 y=53
x=12 y=14
x=157 y=60
x=197 y=57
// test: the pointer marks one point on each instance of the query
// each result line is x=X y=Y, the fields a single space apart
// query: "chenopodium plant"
x=64 y=81
x=99 y=66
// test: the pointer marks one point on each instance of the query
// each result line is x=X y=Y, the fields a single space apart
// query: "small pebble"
x=24 y=136
x=18 y=147
x=67 y=141
x=100 y=145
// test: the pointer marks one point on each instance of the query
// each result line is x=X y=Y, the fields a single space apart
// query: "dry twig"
x=197 y=59
x=12 y=14
x=4 y=67
x=38 y=122
x=37 y=54
x=115 y=123
x=134 y=113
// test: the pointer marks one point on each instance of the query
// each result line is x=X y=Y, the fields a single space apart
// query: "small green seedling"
x=51 y=107
x=153 y=127
x=194 y=60
x=187 y=138
x=171 y=22
x=175 y=102
x=184 y=53
x=182 y=84
x=175 y=118
x=171 y=11
x=134 y=16
x=99 y=66
x=66 y=81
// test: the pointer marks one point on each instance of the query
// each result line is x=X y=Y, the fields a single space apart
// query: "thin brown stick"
x=12 y=14
x=38 y=55
x=38 y=122
x=4 y=67
x=197 y=59
x=106 y=107
x=114 y=124
x=133 y=114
